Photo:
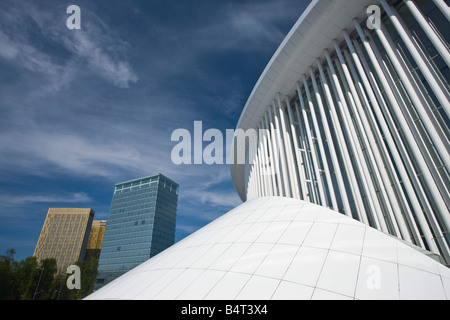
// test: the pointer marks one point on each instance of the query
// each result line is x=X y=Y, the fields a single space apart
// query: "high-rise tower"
x=141 y=224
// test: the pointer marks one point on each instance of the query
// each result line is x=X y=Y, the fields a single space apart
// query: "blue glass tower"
x=141 y=224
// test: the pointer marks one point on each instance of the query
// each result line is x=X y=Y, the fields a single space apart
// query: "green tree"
x=7 y=276
x=40 y=281
x=56 y=291
x=48 y=267
x=29 y=280
x=24 y=271
x=88 y=276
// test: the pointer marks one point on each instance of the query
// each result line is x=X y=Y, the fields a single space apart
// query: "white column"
x=333 y=154
x=292 y=170
x=377 y=162
x=264 y=161
x=342 y=104
x=395 y=108
x=277 y=149
x=321 y=199
x=375 y=159
x=347 y=165
x=443 y=7
x=422 y=62
x=254 y=167
x=434 y=193
x=250 y=185
x=298 y=157
x=254 y=177
x=440 y=142
x=361 y=126
x=359 y=159
x=320 y=143
x=258 y=179
x=307 y=167
x=438 y=44
x=439 y=145
x=374 y=90
x=283 y=160
x=293 y=151
x=274 y=162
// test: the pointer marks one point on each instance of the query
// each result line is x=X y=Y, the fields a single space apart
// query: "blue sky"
x=81 y=110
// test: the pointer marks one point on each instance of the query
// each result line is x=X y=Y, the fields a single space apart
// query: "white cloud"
x=220 y=199
x=208 y=189
x=26 y=55
x=94 y=46
x=246 y=27
x=187 y=229
x=77 y=197
x=69 y=152
x=7 y=49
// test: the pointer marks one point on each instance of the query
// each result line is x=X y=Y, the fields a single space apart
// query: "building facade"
x=64 y=236
x=94 y=245
x=141 y=224
x=357 y=113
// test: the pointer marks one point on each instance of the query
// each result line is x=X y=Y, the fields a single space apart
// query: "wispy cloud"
x=246 y=26
x=210 y=192
x=95 y=46
x=187 y=228
x=75 y=154
x=218 y=199
x=104 y=54
x=26 y=55
x=13 y=200
x=84 y=109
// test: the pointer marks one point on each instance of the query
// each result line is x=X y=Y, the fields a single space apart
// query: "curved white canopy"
x=284 y=249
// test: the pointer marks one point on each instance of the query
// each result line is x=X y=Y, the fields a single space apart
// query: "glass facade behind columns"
x=141 y=224
x=366 y=129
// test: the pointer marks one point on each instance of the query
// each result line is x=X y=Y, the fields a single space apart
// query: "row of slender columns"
x=438 y=193
x=339 y=146
x=434 y=38
x=394 y=110
x=333 y=154
x=400 y=155
x=380 y=152
x=304 y=154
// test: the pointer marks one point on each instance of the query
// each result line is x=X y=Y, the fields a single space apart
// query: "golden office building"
x=95 y=241
x=64 y=236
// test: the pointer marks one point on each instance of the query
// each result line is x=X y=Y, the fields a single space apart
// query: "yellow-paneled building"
x=95 y=241
x=64 y=236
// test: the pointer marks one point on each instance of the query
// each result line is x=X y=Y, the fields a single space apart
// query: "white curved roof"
x=284 y=249
x=314 y=32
